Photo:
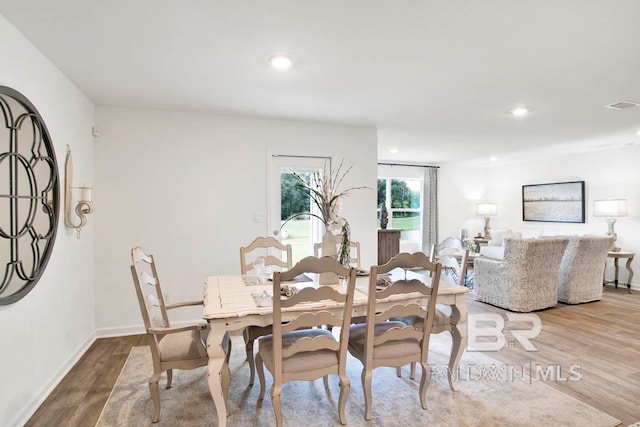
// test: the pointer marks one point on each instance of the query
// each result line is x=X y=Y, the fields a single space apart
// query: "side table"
x=616 y=256
x=479 y=241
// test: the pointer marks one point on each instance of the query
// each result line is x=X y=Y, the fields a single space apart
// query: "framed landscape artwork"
x=556 y=202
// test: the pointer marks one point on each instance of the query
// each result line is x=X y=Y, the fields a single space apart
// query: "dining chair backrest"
x=424 y=287
x=147 y=284
x=449 y=246
x=454 y=258
x=265 y=246
x=354 y=252
x=338 y=294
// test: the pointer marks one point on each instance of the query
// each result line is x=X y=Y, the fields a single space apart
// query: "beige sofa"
x=495 y=248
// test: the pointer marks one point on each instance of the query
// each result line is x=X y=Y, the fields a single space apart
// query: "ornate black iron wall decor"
x=29 y=196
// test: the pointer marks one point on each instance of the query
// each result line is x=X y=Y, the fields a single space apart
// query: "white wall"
x=185 y=187
x=611 y=173
x=44 y=333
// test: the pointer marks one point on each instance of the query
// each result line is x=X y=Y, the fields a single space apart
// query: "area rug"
x=490 y=393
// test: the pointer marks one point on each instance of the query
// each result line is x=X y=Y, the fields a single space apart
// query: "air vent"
x=622 y=105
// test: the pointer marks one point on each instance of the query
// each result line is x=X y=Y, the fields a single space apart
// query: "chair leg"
x=169 y=377
x=399 y=372
x=275 y=402
x=413 y=371
x=424 y=384
x=155 y=395
x=325 y=380
x=260 y=368
x=345 y=388
x=248 y=346
x=366 y=387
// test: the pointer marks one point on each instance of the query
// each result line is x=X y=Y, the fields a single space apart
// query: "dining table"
x=233 y=302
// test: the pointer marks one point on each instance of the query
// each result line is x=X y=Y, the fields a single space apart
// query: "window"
x=403 y=199
x=295 y=203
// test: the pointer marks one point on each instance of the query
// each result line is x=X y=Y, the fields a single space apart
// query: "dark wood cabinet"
x=388 y=244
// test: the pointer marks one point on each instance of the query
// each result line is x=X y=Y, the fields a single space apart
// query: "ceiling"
x=437 y=78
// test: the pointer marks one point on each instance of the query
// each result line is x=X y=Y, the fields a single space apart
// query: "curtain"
x=430 y=209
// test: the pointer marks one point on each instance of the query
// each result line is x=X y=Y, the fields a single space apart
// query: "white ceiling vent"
x=622 y=105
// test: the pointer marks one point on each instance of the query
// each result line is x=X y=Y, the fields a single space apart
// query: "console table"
x=388 y=244
x=616 y=256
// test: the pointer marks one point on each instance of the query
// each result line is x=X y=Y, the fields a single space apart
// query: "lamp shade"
x=610 y=208
x=487 y=209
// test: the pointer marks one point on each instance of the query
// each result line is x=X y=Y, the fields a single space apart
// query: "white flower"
x=336 y=225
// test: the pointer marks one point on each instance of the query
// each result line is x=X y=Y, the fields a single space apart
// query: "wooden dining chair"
x=385 y=342
x=266 y=247
x=300 y=349
x=354 y=252
x=449 y=246
x=172 y=347
x=454 y=258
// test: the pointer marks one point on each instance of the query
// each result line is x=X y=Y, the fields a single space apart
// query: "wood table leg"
x=617 y=269
x=215 y=368
x=459 y=338
x=630 y=277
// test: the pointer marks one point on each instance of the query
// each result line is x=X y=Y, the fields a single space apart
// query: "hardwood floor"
x=79 y=398
x=601 y=338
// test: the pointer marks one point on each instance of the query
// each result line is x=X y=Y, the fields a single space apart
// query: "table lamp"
x=611 y=209
x=487 y=210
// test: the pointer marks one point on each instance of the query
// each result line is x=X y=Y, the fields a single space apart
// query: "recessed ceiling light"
x=394 y=150
x=493 y=158
x=638 y=133
x=520 y=111
x=280 y=62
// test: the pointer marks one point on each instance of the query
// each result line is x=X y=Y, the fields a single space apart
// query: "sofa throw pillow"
x=497 y=237
x=511 y=235
x=527 y=233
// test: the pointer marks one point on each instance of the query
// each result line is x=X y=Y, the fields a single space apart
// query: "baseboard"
x=42 y=395
x=634 y=286
x=121 y=331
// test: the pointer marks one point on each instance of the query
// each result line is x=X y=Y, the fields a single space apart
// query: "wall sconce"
x=85 y=202
x=487 y=210
x=612 y=209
